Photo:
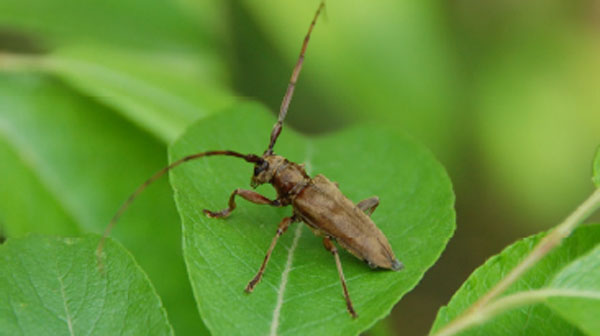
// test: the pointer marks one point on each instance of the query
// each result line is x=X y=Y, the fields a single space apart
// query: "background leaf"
x=67 y=165
x=581 y=276
x=52 y=286
x=533 y=319
x=416 y=214
x=163 y=93
x=131 y=23
x=27 y=205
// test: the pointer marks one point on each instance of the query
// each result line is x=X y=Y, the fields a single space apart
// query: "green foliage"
x=416 y=214
x=52 y=286
x=128 y=73
x=578 y=297
x=67 y=161
x=535 y=319
x=162 y=93
x=67 y=165
x=596 y=172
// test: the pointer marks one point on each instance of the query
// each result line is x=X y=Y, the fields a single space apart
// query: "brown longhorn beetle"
x=317 y=201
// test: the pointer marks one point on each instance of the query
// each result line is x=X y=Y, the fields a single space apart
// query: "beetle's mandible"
x=317 y=201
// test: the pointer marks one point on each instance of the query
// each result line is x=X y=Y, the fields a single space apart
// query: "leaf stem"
x=20 y=62
x=547 y=244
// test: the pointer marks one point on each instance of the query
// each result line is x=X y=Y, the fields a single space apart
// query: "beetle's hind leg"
x=248 y=195
x=331 y=248
x=283 y=225
x=369 y=205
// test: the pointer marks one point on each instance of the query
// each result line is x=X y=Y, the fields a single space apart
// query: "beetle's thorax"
x=288 y=178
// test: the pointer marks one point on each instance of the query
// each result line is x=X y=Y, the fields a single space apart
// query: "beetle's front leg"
x=369 y=205
x=331 y=248
x=283 y=225
x=249 y=195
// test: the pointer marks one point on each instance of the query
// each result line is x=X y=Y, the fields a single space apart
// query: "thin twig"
x=20 y=62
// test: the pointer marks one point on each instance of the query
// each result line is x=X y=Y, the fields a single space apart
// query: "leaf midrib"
x=284 y=279
x=69 y=320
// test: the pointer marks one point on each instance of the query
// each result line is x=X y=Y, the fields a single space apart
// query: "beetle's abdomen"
x=323 y=206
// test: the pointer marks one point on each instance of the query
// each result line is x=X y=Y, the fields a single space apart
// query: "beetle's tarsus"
x=397 y=265
x=218 y=214
x=250 y=286
x=352 y=312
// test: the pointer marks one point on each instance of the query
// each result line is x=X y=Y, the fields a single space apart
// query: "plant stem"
x=20 y=62
x=510 y=302
x=546 y=245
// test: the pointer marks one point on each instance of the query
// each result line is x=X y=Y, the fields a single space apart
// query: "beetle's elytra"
x=316 y=201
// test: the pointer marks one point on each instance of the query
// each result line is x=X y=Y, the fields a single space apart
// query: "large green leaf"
x=52 y=286
x=580 y=284
x=534 y=319
x=301 y=292
x=70 y=163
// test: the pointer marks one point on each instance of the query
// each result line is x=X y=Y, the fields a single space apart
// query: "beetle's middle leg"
x=331 y=248
x=248 y=195
x=369 y=205
x=283 y=225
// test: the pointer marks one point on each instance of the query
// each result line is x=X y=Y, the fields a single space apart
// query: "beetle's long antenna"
x=248 y=157
x=292 y=84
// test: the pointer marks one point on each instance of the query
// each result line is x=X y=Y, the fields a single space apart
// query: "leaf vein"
x=284 y=280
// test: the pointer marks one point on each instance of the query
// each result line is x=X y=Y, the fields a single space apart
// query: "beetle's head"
x=265 y=169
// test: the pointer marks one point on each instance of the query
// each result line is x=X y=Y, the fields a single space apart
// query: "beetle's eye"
x=259 y=169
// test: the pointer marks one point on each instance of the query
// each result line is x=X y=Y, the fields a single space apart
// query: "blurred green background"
x=505 y=93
